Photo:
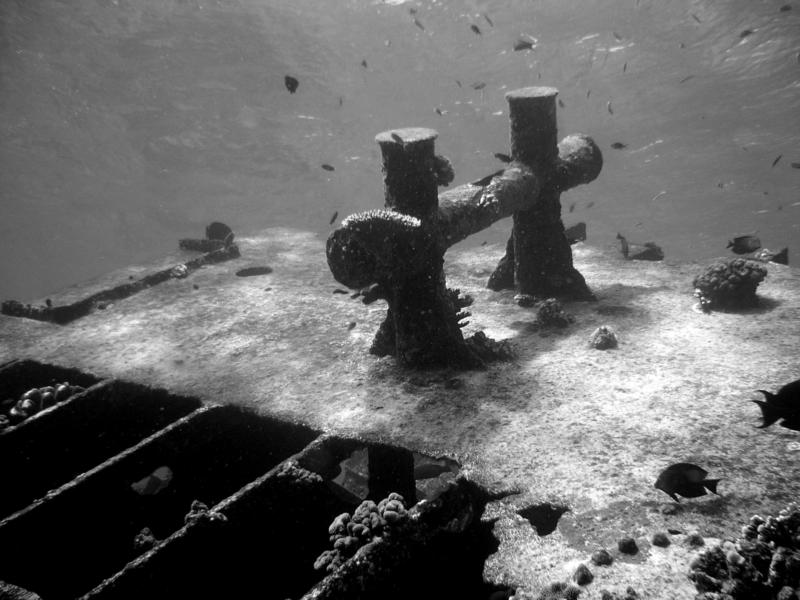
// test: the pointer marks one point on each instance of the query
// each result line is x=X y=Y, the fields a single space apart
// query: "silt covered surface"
x=562 y=423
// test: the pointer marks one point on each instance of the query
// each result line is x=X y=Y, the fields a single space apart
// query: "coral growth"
x=764 y=563
x=603 y=338
x=368 y=522
x=729 y=283
x=551 y=313
x=33 y=401
x=559 y=591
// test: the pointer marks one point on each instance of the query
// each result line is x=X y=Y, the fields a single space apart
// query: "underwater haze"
x=128 y=124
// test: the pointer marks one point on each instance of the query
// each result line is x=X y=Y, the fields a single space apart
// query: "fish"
x=696 y=18
x=488 y=20
x=333 y=217
x=608 y=106
x=418 y=24
x=475 y=28
x=364 y=63
x=786 y=8
x=339 y=291
x=572 y=207
x=291 y=83
x=590 y=204
x=154 y=482
x=588 y=93
x=618 y=145
x=503 y=157
x=484 y=181
x=765 y=255
x=746 y=32
x=458 y=83
x=625 y=67
x=523 y=44
x=783 y=406
x=617 y=36
x=412 y=10
x=561 y=103
x=687 y=480
x=438 y=111
x=341 y=100
x=328 y=167
x=796 y=165
x=478 y=85
x=351 y=325
x=742 y=244
x=576 y=233
x=49 y=303
x=397 y=138
x=775 y=162
x=687 y=78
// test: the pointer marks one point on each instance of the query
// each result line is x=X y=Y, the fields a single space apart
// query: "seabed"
x=562 y=424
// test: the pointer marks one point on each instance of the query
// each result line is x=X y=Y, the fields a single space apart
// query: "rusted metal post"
x=421 y=326
x=538 y=258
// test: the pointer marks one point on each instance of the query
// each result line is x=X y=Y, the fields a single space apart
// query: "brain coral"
x=729 y=283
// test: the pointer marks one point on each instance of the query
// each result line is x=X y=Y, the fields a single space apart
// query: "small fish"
x=364 y=63
x=576 y=233
x=743 y=244
x=503 y=157
x=561 y=103
x=458 y=83
x=572 y=207
x=328 y=167
x=341 y=100
x=476 y=29
x=618 y=145
x=397 y=138
x=49 y=303
x=766 y=255
x=786 y=8
x=351 y=325
x=153 y=483
x=783 y=406
x=588 y=93
x=339 y=291
x=775 y=162
x=625 y=67
x=479 y=85
x=418 y=24
x=218 y=231
x=488 y=20
x=523 y=44
x=590 y=204
x=333 y=217
x=796 y=165
x=617 y=36
x=608 y=106
x=696 y=18
x=291 y=83
x=687 y=78
x=412 y=11
x=438 y=111
x=658 y=195
x=687 y=480
x=746 y=32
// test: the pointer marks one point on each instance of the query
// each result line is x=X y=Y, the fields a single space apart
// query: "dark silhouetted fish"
x=333 y=217
x=590 y=204
x=746 y=32
x=618 y=145
x=743 y=244
x=478 y=85
x=438 y=111
x=608 y=106
x=775 y=162
x=291 y=83
x=696 y=18
x=397 y=138
x=412 y=11
x=786 y=8
x=687 y=480
x=576 y=233
x=561 y=103
x=418 y=24
x=364 y=63
x=458 y=83
x=588 y=93
x=625 y=67
x=766 y=255
x=783 y=406
x=328 y=167
x=796 y=165
x=523 y=44
x=572 y=207
x=153 y=483
x=218 y=231
x=341 y=100
x=475 y=28
x=339 y=291
x=685 y=79
x=503 y=157
x=488 y=20
x=617 y=36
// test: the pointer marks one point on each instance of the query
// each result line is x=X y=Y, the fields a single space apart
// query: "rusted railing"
x=398 y=252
